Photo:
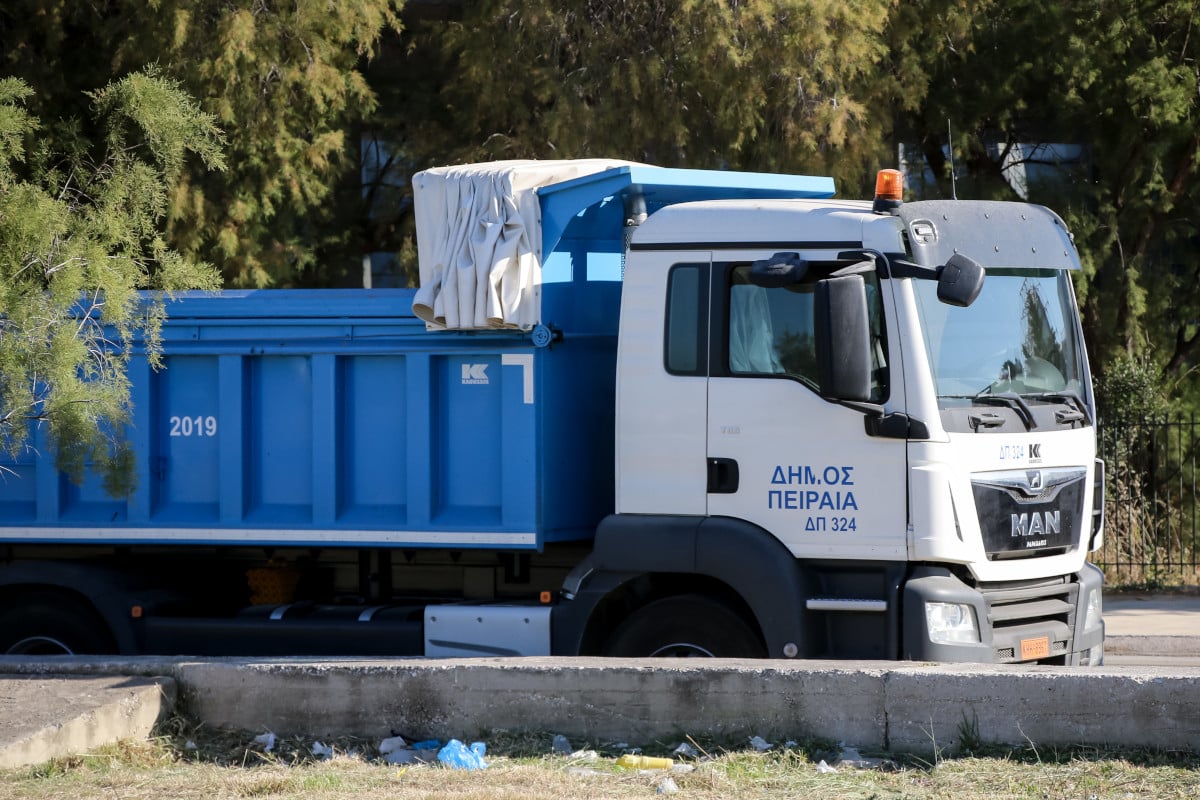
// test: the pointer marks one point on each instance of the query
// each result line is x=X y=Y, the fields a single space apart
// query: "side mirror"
x=781 y=269
x=960 y=281
x=842 y=336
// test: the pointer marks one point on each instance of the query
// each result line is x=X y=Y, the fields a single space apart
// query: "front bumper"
x=1037 y=621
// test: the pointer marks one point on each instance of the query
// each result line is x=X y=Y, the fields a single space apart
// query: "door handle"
x=722 y=476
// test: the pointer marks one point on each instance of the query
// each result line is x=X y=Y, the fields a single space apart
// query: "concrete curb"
x=49 y=717
x=903 y=707
x=909 y=708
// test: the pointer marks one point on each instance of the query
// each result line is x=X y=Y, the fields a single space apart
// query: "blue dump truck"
x=630 y=411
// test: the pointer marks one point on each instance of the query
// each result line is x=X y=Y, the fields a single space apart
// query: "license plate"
x=1035 y=648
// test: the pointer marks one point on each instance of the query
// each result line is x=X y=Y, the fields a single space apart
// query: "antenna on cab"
x=953 y=183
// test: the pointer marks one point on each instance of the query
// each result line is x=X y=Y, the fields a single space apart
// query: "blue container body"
x=333 y=418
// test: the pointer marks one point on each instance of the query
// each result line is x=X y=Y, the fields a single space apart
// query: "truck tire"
x=50 y=624
x=685 y=626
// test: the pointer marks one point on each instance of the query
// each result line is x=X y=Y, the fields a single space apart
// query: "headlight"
x=1093 y=612
x=951 y=623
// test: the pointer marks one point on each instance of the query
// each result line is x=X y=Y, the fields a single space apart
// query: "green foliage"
x=811 y=86
x=770 y=85
x=1120 y=78
x=1129 y=392
x=283 y=81
x=759 y=85
x=80 y=232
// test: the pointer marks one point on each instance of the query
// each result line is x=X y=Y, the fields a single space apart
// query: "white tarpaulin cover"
x=479 y=240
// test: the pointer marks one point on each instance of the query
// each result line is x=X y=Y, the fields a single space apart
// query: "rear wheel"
x=686 y=626
x=50 y=624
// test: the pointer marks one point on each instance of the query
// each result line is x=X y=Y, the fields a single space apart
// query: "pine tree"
x=762 y=85
x=80 y=233
x=284 y=81
x=1120 y=80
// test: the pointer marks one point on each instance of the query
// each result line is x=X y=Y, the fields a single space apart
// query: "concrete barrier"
x=48 y=717
x=906 y=707
x=899 y=706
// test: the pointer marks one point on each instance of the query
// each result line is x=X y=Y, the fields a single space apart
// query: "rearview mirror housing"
x=842 y=336
x=960 y=281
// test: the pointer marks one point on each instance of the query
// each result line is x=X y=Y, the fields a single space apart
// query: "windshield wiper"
x=1068 y=397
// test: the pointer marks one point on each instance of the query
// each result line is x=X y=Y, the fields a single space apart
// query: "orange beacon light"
x=889 y=191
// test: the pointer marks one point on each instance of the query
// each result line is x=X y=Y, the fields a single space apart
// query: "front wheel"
x=49 y=624
x=686 y=626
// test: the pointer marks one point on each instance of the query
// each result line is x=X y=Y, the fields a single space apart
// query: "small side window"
x=686 y=345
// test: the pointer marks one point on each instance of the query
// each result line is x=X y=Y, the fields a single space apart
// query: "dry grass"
x=226 y=765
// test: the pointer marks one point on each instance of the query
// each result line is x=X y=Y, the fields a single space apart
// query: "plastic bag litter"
x=850 y=757
x=760 y=744
x=392 y=743
x=457 y=755
x=686 y=750
x=321 y=750
x=561 y=745
x=585 y=755
x=850 y=754
x=266 y=741
x=667 y=786
x=824 y=768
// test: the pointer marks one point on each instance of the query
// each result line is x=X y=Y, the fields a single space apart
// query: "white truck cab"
x=917 y=437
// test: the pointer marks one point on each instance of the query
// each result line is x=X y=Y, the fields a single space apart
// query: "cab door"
x=662 y=385
x=802 y=468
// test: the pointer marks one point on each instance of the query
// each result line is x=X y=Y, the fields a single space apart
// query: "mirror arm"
x=907 y=269
x=870 y=409
x=866 y=253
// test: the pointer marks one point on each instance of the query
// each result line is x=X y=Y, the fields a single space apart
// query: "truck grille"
x=1031 y=512
x=1030 y=610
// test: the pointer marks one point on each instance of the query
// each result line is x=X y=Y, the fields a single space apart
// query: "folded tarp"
x=479 y=240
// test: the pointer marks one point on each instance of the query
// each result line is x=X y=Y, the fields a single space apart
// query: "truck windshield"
x=1018 y=338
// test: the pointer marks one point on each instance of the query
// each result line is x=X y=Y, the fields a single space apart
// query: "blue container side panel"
x=279 y=446
x=185 y=455
x=266 y=427
x=483 y=476
x=371 y=441
x=519 y=442
x=233 y=383
x=18 y=490
x=577 y=390
x=86 y=499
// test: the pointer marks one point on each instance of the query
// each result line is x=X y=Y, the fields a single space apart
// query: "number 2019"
x=194 y=426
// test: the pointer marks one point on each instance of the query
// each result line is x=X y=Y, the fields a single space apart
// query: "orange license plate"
x=1035 y=648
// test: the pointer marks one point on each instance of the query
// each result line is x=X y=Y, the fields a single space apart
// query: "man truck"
x=630 y=411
